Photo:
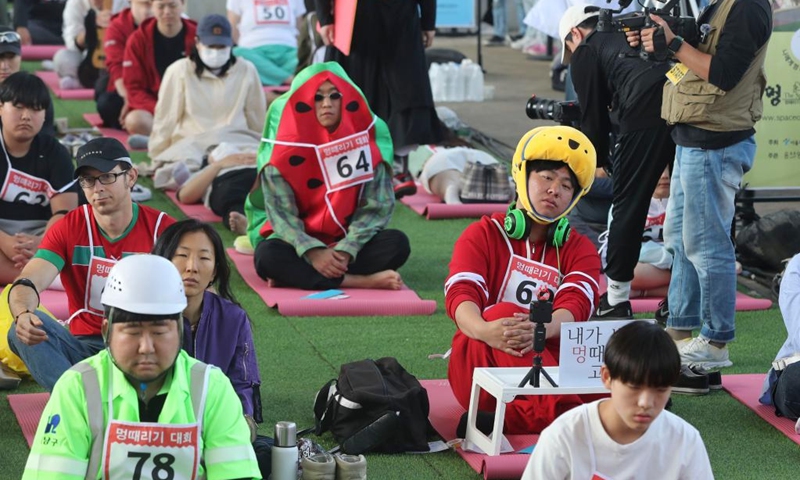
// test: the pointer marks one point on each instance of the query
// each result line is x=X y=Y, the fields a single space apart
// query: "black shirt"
x=168 y=50
x=47 y=159
x=149 y=412
x=609 y=75
x=747 y=28
x=50 y=12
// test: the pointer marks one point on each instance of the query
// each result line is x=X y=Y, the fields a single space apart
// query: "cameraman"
x=713 y=97
x=618 y=89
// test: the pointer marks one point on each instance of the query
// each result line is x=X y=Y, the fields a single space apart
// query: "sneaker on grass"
x=620 y=311
x=403 y=184
x=691 y=383
x=699 y=352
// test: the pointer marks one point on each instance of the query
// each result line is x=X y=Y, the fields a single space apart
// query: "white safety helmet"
x=146 y=285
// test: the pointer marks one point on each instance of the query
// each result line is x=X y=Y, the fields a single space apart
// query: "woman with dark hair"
x=205 y=99
x=216 y=329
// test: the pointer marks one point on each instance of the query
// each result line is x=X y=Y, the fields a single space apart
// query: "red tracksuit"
x=483 y=271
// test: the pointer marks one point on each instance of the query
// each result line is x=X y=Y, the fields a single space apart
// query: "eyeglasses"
x=87 y=181
x=333 y=96
x=10 y=37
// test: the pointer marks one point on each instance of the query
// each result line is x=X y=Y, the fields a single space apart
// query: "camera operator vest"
x=697 y=102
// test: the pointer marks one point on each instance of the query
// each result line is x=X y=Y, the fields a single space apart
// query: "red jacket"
x=139 y=70
x=119 y=30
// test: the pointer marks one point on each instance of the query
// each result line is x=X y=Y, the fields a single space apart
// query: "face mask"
x=214 y=57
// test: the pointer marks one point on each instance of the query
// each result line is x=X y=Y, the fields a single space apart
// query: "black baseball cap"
x=10 y=40
x=215 y=29
x=102 y=153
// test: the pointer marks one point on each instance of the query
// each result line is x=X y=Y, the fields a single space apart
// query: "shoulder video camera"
x=685 y=27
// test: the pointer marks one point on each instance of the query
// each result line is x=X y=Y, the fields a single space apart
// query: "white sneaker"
x=140 y=194
x=699 y=352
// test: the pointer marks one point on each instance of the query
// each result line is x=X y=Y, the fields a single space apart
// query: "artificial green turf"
x=297 y=355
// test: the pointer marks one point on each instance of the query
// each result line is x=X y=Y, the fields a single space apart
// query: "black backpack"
x=374 y=406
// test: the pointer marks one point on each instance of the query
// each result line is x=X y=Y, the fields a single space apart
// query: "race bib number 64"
x=346 y=162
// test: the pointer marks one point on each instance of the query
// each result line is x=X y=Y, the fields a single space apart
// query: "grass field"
x=298 y=355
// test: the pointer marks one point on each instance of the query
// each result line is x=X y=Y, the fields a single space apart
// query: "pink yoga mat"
x=278 y=89
x=198 y=211
x=40 y=52
x=28 y=409
x=94 y=120
x=431 y=206
x=56 y=302
x=362 y=302
x=747 y=388
x=444 y=416
x=51 y=79
x=744 y=302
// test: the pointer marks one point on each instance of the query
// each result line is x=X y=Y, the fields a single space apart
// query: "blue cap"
x=215 y=29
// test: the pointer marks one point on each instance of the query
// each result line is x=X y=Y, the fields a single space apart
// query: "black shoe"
x=484 y=423
x=620 y=311
x=494 y=41
x=690 y=383
x=662 y=313
x=714 y=377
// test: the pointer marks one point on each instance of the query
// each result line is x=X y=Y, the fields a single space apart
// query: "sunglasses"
x=333 y=96
x=10 y=37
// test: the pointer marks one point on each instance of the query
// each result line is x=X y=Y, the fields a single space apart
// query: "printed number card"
x=583 y=345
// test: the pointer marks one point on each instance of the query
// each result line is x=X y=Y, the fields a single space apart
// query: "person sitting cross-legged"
x=503 y=262
x=319 y=219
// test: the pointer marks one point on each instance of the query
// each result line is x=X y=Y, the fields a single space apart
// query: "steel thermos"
x=284 y=452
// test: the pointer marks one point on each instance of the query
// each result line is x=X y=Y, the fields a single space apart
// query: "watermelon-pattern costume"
x=298 y=146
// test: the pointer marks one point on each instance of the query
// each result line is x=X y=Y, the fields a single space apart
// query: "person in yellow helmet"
x=503 y=262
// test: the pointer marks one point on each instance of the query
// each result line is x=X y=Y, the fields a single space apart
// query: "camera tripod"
x=541 y=312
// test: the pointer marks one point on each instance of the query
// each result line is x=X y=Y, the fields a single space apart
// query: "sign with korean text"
x=583 y=346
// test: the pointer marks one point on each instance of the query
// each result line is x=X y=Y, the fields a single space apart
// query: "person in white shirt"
x=626 y=435
x=265 y=32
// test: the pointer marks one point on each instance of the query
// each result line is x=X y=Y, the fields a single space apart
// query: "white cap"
x=573 y=17
x=145 y=284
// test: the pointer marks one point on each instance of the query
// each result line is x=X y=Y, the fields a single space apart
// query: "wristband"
x=26 y=282
x=16 y=317
x=675 y=44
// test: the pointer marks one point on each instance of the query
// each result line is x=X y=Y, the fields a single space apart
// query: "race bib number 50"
x=272 y=12
x=346 y=162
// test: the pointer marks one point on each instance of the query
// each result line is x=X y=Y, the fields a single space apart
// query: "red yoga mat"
x=198 y=211
x=744 y=302
x=747 y=388
x=28 y=409
x=445 y=412
x=431 y=207
x=362 y=302
x=51 y=79
x=94 y=120
x=40 y=52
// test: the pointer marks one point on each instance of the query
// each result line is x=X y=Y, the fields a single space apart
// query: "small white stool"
x=502 y=384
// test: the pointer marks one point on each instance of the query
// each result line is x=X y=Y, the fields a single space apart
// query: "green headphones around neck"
x=518 y=226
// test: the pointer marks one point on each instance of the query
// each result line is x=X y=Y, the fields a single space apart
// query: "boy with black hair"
x=35 y=171
x=624 y=436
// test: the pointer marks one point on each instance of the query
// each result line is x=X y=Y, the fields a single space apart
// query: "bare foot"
x=385 y=280
x=237 y=223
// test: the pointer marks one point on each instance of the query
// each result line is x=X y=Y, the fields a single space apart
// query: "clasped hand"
x=329 y=262
x=512 y=335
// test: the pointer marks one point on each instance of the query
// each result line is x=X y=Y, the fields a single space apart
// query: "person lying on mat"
x=206 y=99
x=216 y=330
x=153 y=47
x=623 y=436
x=82 y=247
x=319 y=219
x=442 y=172
x=110 y=94
x=38 y=186
x=782 y=385
x=146 y=409
x=503 y=262
x=11 y=62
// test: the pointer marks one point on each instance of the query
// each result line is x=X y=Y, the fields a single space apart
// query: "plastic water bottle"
x=447 y=82
x=436 y=77
x=457 y=84
x=474 y=82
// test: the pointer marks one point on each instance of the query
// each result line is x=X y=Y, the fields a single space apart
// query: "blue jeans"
x=48 y=360
x=702 y=291
x=499 y=17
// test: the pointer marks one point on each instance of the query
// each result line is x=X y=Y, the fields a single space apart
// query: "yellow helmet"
x=555 y=143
